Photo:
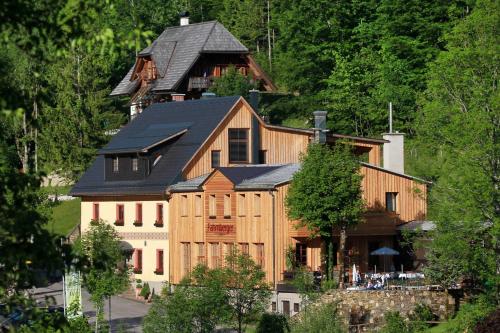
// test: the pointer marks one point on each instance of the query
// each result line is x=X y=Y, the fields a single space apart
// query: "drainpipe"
x=271 y=193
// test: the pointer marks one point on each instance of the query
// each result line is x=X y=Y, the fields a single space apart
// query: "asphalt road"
x=125 y=313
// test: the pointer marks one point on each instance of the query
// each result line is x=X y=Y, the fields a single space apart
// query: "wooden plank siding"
x=282 y=146
x=411 y=199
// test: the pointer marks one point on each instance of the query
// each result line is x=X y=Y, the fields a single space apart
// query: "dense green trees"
x=458 y=146
x=325 y=195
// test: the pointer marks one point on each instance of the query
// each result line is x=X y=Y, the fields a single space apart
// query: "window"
x=256 y=205
x=120 y=215
x=273 y=306
x=262 y=156
x=201 y=253
x=116 y=166
x=214 y=255
x=184 y=205
x=301 y=254
x=260 y=254
x=227 y=206
x=390 y=201
x=296 y=307
x=159 y=262
x=135 y=164
x=215 y=158
x=198 y=205
x=95 y=211
x=138 y=214
x=244 y=248
x=186 y=258
x=159 y=215
x=211 y=206
x=138 y=261
x=241 y=205
x=238 y=145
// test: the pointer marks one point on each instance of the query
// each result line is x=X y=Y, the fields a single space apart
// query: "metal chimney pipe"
x=320 y=126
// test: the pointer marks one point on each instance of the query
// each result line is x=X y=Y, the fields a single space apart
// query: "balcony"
x=198 y=83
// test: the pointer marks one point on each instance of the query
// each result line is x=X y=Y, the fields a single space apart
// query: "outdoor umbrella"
x=354 y=274
x=384 y=251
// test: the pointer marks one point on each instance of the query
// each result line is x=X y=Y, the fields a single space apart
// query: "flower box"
x=137 y=223
x=137 y=270
x=119 y=223
x=159 y=272
x=158 y=224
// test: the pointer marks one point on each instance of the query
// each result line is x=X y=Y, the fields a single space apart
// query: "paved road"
x=124 y=312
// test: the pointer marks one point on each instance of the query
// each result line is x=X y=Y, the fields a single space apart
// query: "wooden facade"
x=218 y=217
x=281 y=145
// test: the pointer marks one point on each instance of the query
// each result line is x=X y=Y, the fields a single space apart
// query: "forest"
x=437 y=61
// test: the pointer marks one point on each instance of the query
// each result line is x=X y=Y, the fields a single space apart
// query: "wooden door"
x=286 y=308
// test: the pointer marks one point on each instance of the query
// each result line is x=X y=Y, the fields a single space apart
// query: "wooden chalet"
x=183 y=62
x=188 y=181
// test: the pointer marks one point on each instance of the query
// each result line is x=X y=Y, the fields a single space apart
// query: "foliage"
x=303 y=281
x=325 y=194
x=25 y=244
x=232 y=83
x=322 y=318
x=248 y=291
x=471 y=314
x=273 y=323
x=394 y=323
x=459 y=148
x=145 y=291
x=101 y=255
x=197 y=304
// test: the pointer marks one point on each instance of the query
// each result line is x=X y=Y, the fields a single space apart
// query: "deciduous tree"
x=325 y=195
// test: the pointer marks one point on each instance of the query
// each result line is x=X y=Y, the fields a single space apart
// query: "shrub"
x=394 y=323
x=319 y=319
x=272 y=323
x=470 y=315
x=329 y=284
x=145 y=291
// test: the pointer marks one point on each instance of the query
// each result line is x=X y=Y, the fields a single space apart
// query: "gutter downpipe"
x=271 y=193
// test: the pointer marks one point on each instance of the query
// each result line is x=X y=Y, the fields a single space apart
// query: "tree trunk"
x=343 y=237
x=97 y=319
x=109 y=313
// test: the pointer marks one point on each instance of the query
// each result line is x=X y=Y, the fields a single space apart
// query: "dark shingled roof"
x=176 y=50
x=199 y=117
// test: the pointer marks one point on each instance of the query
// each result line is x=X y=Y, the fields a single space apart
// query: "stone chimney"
x=394 y=152
x=178 y=97
x=320 y=126
x=184 y=18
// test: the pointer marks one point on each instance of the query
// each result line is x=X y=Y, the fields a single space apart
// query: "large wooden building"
x=183 y=62
x=188 y=181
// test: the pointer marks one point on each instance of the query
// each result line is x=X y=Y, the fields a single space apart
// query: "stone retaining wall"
x=367 y=308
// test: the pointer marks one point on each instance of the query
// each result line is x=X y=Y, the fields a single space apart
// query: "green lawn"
x=65 y=216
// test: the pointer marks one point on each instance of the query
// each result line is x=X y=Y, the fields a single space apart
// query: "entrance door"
x=286 y=308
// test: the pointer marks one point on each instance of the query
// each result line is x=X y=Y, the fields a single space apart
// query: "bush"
x=470 y=315
x=394 y=323
x=490 y=324
x=319 y=319
x=329 y=284
x=272 y=323
x=145 y=291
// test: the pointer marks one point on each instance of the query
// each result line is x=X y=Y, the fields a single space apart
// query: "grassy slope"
x=65 y=216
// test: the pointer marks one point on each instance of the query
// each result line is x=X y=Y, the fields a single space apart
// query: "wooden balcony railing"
x=197 y=82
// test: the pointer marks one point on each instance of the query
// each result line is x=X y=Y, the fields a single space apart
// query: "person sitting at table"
x=370 y=286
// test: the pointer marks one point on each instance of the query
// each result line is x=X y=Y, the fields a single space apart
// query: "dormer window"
x=238 y=145
x=157 y=159
x=116 y=165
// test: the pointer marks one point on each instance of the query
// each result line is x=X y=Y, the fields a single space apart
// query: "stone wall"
x=367 y=308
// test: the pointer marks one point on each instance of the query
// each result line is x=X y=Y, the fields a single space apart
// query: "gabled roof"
x=251 y=177
x=176 y=50
x=199 y=118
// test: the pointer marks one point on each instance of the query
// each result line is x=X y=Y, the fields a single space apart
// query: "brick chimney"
x=178 y=97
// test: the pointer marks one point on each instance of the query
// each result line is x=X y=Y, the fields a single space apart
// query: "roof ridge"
x=208 y=36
